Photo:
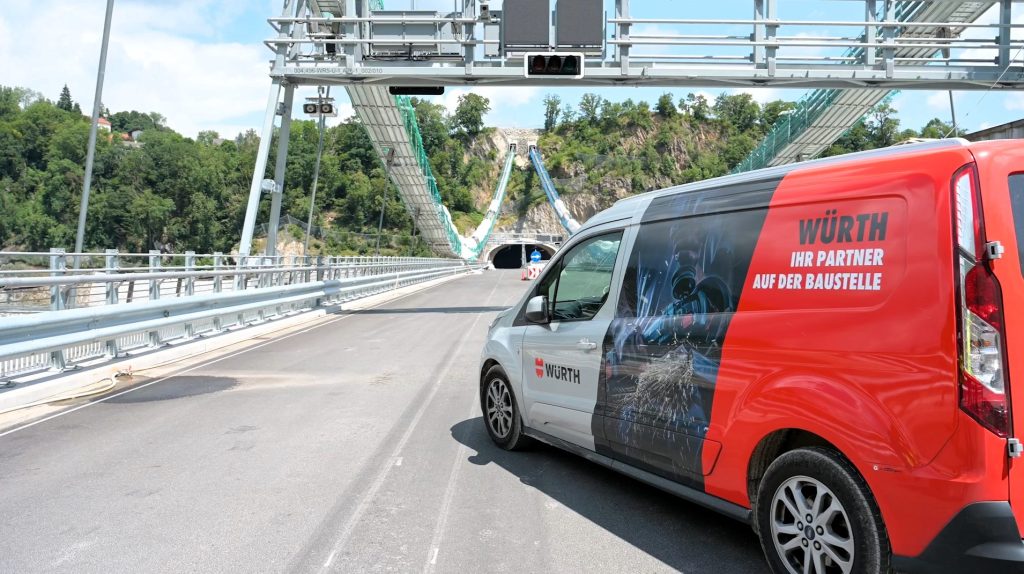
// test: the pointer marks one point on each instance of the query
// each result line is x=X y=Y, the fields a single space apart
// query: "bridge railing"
x=107 y=311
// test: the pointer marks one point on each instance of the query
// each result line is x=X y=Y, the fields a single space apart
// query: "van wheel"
x=815 y=515
x=501 y=415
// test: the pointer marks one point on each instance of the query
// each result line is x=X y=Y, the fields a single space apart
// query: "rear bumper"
x=983 y=537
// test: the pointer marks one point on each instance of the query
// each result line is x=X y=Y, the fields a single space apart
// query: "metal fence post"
x=58 y=266
x=154 y=292
x=112 y=263
x=218 y=283
x=239 y=277
x=190 y=289
x=241 y=282
x=265 y=278
x=190 y=265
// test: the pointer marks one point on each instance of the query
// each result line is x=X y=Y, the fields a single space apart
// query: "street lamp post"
x=316 y=173
x=380 y=225
x=91 y=154
x=415 y=218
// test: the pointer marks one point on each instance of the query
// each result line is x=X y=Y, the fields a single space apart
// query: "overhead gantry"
x=894 y=44
x=823 y=116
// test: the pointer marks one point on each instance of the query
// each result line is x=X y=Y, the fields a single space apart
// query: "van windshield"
x=1017 y=205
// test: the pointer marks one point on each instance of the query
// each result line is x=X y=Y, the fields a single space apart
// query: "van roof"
x=627 y=207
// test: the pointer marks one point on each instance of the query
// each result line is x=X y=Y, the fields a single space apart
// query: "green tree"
x=883 y=125
x=10 y=103
x=772 y=111
x=568 y=114
x=431 y=120
x=697 y=107
x=125 y=122
x=857 y=138
x=64 y=102
x=665 y=107
x=739 y=111
x=938 y=129
x=552 y=108
x=207 y=137
x=469 y=114
x=590 y=107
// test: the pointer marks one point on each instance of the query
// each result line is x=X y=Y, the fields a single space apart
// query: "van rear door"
x=1001 y=175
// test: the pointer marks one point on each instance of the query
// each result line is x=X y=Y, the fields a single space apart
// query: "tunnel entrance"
x=511 y=256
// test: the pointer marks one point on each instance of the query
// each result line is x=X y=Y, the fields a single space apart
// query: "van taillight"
x=980 y=325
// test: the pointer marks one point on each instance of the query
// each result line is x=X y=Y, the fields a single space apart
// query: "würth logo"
x=556 y=372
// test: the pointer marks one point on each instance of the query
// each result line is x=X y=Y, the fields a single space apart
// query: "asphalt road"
x=355 y=446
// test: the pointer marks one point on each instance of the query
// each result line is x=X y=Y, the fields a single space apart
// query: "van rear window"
x=1017 y=204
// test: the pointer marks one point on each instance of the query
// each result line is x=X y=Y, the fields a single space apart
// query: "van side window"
x=580 y=287
x=1017 y=205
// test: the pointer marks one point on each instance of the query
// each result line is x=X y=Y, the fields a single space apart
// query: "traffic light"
x=320 y=107
x=554 y=64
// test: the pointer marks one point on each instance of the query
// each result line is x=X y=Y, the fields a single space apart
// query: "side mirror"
x=537 y=310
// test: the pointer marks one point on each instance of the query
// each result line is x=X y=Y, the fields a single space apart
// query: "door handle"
x=586 y=345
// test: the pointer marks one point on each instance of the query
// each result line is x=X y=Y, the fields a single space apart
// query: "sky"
x=203 y=65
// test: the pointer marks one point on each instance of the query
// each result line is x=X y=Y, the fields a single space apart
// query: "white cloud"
x=163 y=58
x=760 y=95
x=937 y=100
x=502 y=98
x=1014 y=101
x=653 y=30
x=707 y=95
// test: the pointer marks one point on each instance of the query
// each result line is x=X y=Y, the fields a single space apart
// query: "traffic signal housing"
x=416 y=90
x=320 y=106
x=562 y=64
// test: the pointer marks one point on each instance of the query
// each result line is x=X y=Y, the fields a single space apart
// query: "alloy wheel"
x=810 y=528
x=498 y=404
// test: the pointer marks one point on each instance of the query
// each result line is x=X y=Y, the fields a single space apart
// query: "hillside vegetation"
x=170 y=192
x=612 y=149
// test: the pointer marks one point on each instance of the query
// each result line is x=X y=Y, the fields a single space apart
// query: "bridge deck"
x=329 y=442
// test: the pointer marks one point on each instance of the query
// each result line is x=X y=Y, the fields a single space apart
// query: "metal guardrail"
x=111 y=277
x=83 y=328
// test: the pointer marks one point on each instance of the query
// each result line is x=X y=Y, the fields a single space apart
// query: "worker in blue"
x=535 y=256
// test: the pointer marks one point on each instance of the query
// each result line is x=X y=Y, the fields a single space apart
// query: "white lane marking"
x=382 y=475
x=201 y=365
x=71 y=552
x=449 y=492
x=330 y=559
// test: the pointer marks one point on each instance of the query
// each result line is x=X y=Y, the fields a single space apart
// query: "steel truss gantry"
x=356 y=43
x=421 y=48
x=391 y=125
x=823 y=116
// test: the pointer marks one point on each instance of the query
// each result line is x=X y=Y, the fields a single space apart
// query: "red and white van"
x=827 y=351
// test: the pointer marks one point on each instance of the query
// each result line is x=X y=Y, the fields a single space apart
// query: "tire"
x=501 y=413
x=846 y=534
